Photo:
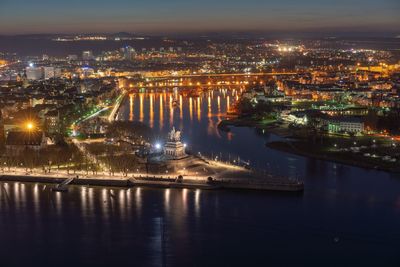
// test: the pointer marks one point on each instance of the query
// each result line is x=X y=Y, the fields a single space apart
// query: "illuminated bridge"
x=203 y=81
x=206 y=75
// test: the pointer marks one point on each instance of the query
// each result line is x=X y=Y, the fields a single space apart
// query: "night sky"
x=178 y=16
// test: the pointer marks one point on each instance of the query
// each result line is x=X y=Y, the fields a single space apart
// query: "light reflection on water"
x=112 y=226
x=198 y=117
x=146 y=106
x=155 y=225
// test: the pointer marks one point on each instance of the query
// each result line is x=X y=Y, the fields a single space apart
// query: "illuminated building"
x=346 y=124
x=19 y=141
x=87 y=55
x=129 y=52
x=52 y=120
x=34 y=73
x=51 y=72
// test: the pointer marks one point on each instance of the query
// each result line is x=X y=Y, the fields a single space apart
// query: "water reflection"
x=181 y=107
x=171 y=111
x=191 y=109
x=192 y=112
x=36 y=199
x=131 y=107
x=161 y=113
x=105 y=204
x=167 y=200
x=58 y=202
x=165 y=224
x=138 y=201
x=184 y=200
x=141 y=115
x=197 y=202
x=151 y=111
x=198 y=107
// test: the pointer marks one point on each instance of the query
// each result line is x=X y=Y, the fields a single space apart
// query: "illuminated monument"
x=174 y=149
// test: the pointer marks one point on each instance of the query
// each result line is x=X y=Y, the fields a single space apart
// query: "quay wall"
x=57 y=180
x=156 y=183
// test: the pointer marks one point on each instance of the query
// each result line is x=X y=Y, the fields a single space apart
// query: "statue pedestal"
x=174 y=150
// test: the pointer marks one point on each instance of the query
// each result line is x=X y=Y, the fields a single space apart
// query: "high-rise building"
x=129 y=52
x=87 y=55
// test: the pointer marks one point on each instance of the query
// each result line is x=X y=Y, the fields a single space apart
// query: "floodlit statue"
x=177 y=136
x=171 y=135
x=174 y=136
x=174 y=149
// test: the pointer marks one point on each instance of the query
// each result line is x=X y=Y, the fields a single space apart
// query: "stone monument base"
x=174 y=151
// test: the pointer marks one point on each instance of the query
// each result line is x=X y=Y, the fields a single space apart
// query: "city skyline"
x=199 y=133
x=161 y=17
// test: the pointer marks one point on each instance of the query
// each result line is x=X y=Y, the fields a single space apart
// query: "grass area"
x=247 y=121
x=117 y=158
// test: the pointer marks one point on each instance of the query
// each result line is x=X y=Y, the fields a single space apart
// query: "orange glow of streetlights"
x=30 y=126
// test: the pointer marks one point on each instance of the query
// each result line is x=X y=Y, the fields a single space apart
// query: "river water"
x=347 y=216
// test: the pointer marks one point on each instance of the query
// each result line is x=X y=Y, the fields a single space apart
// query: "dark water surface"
x=346 y=216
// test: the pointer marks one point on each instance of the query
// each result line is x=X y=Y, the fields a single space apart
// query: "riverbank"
x=249 y=122
x=159 y=182
x=348 y=158
x=300 y=145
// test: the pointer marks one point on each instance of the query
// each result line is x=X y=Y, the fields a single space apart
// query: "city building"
x=18 y=141
x=87 y=55
x=346 y=125
x=34 y=73
x=129 y=52
x=52 y=121
x=72 y=57
x=51 y=72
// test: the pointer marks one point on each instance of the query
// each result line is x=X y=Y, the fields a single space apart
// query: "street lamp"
x=157 y=146
x=30 y=126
